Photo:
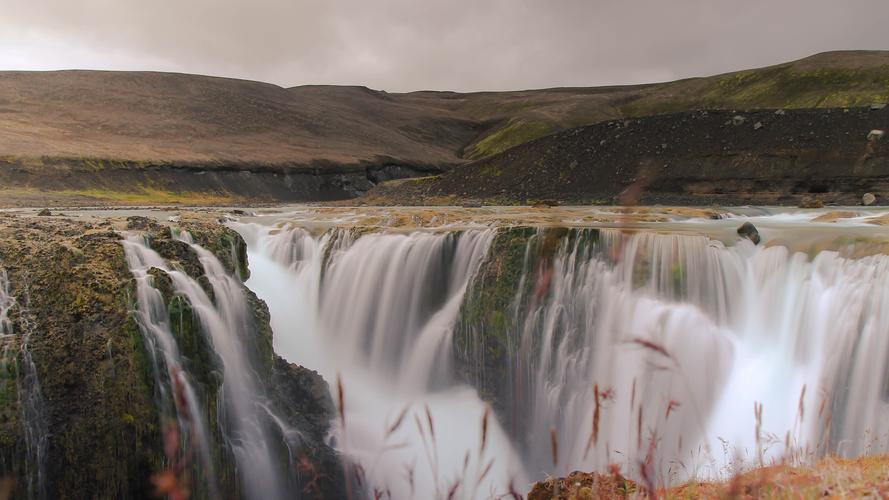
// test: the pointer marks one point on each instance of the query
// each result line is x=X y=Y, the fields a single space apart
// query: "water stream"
x=245 y=418
x=31 y=403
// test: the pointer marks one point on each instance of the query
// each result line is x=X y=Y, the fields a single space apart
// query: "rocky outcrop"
x=749 y=231
x=104 y=431
x=584 y=486
x=496 y=345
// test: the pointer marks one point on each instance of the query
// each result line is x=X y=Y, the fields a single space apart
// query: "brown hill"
x=143 y=137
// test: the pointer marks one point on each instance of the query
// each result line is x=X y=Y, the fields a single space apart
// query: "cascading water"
x=30 y=398
x=643 y=349
x=378 y=312
x=176 y=393
x=246 y=421
x=685 y=337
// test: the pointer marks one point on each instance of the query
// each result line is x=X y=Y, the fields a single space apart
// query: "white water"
x=225 y=319
x=740 y=326
x=30 y=396
x=382 y=321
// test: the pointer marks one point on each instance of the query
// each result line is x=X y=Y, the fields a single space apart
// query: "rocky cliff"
x=81 y=416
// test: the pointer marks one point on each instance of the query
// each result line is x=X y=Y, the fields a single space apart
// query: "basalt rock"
x=749 y=231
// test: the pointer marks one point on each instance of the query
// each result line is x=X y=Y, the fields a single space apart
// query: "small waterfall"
x=247 y=419
x=30 y=398
x=378 y=312
x=175 y=391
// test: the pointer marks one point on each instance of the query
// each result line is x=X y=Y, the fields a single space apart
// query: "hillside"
x=693 y=158
x=85 y=137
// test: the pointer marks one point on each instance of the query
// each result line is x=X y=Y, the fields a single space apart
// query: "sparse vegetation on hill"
x=338 y=141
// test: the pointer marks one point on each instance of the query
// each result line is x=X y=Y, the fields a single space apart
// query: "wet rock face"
x=104 y=431
x=749 y=231
x=74 y=293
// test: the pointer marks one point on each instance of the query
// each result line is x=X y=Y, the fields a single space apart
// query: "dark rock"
x=749 y=231
x=44 y=213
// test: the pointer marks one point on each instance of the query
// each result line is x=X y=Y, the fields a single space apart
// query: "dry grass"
x=865 y=477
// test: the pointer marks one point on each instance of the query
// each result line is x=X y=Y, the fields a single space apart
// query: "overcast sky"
x=400 y=45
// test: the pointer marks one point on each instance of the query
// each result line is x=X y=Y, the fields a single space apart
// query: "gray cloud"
x=402 y=45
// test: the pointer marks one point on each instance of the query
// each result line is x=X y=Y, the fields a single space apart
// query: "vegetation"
x=831 y=477
x=515 y=132
x=148 y=196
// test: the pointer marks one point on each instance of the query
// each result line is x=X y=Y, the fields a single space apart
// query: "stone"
x=738 y=120
x=44 y=213
x=868 y=199
x=757 y=125
x=876 y=135
x=877 y=106
x=811 y=202
x=780 y=112
x=749 y=231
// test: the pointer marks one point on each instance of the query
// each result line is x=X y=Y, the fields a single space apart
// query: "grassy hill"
x=93 y=136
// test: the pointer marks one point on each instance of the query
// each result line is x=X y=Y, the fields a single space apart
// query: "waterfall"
x=30 y=398
x=672 y=355
x=247 y=420
x=377 y=312
x=681 y=338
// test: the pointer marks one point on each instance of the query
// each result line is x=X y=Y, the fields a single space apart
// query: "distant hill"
x=141 y=137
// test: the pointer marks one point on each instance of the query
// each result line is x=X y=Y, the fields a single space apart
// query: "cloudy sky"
x=400 y=45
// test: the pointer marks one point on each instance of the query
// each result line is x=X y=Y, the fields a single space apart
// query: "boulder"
x=44 y=213
x=749 y=231
x=868 y=199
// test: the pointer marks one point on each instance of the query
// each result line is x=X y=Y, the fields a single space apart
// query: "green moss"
x=515 y=132
x=145 y=195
